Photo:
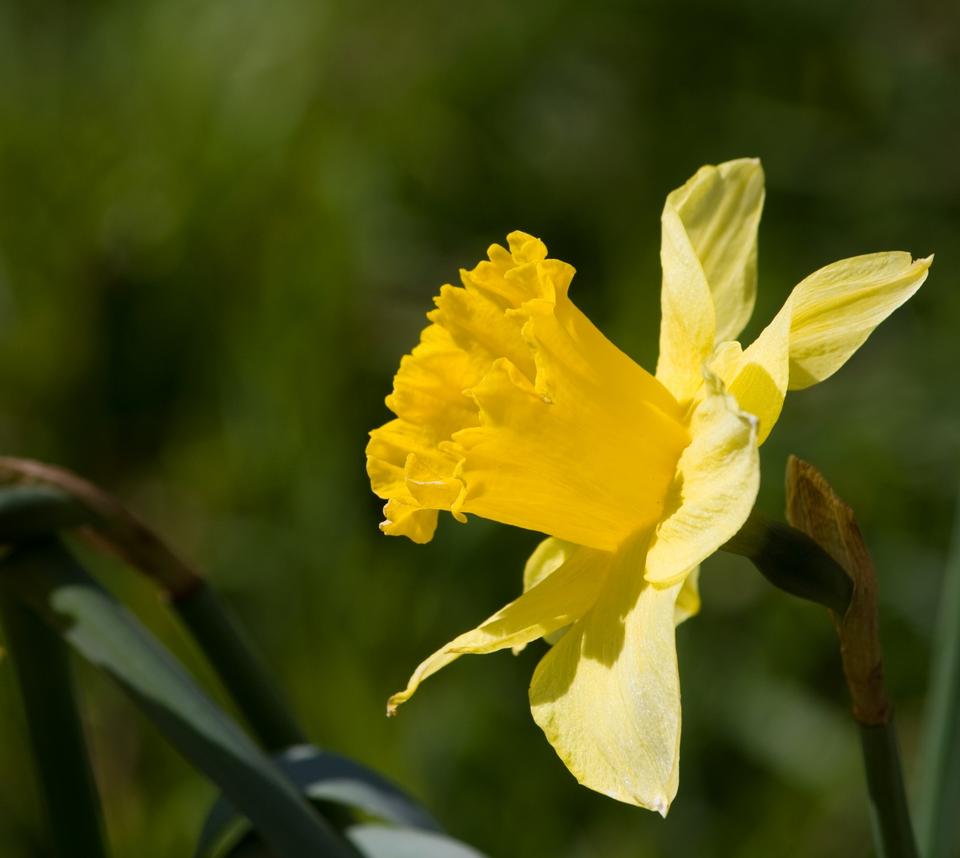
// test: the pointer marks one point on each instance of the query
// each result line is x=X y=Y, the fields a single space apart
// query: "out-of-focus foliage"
x=220 y=226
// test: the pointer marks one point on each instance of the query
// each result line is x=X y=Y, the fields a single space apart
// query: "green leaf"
x=48 y=579
x=370 y=841
x=327 y=777
x=74 y=821
x=938 y=823
x=380 y=841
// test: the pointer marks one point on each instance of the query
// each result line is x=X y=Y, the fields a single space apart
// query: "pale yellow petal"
x=687 y=320
x=709 y=258
x=607 y=696
x=717 y=480
x=838 y=307
x=688 y=599
x=826 y=318
x=547 y=557
x=758 y=380
x=558 y=600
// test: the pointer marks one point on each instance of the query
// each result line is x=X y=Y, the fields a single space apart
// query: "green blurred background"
x=221 y=224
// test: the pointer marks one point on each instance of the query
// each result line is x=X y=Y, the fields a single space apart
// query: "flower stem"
x=822 y=556
x=889 y=811
x=56 y=736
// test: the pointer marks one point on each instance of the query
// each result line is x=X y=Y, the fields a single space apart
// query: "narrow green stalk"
x=792 y=560
x=938 y=823
x=241 y=670
x=889 y=811
x=56 y=736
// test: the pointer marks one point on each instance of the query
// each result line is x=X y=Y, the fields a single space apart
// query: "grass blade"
x=938 y=823
x=57 y=743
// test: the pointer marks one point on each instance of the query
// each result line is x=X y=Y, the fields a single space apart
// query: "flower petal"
x=688 y=599
x=716 y=484
x=826 y=318
x=547 y=557
x=838 y=307
x=687 y=322
x=709 y=258
x=556 y=601
x=758 y=376
x=607 y=696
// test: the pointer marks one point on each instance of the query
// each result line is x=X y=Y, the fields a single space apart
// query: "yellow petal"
x=607 y=696
x=552 y=553
x=709 y=258
x=717 y=480
x=838 y=307
x=558 y=600
x=688 y=599
x=826 y=318
x=547 y=557
x=758 y=377
x=687 y=320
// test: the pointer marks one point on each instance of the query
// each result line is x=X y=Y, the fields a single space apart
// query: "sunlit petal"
x=717 y=480
x=688 y=599
x=838 y=307
x=607 y=695
x=557 y=600
x=826 y=318
x=709 y=258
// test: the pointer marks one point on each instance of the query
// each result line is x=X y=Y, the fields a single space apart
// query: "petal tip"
x=661 y=805
x=393 y=704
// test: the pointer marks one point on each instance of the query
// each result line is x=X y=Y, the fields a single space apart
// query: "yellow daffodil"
x=514 y=407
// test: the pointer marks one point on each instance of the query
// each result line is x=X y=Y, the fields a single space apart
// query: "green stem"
x=241 y=670
x=940 y=769
x=56 y=734
x=890 y=813
x=794 y=562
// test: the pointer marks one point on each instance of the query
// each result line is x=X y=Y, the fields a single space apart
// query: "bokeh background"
x=221 y=223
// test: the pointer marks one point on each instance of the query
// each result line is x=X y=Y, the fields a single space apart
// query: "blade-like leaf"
x=322 y=776
x=381 y=841
x=938 y=825
x=74 y=821
x=47 y=578
x=370 y=841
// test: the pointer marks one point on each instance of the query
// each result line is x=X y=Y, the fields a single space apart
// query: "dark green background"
x=221 y=224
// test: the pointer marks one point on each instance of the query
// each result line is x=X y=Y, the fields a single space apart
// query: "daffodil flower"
x=514 y=407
